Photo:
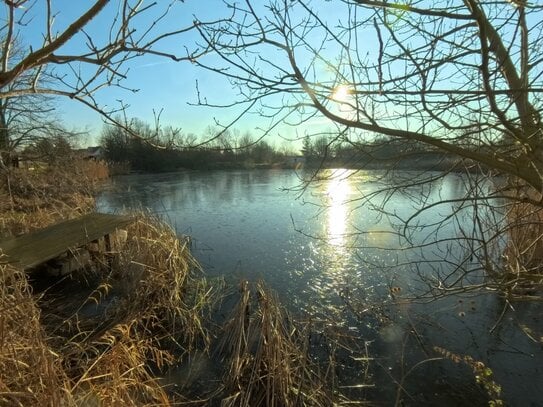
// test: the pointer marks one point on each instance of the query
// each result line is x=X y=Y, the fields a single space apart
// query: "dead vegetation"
x=523 y=254
x=37 y=198
x=143 y=315
x=267 y=356
x=30 y=372
x=98 y=336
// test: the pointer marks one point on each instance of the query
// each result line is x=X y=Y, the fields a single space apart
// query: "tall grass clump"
x=266 y=356
x=153 y=302
x=51 y=355
x=31 y=374
x=93 y=170
x=164 y=281
x=524 y=250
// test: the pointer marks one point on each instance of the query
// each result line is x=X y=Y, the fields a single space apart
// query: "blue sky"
x=162 y=84
x=169 y=86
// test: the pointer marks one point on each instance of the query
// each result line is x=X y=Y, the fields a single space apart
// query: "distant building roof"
x=91 y=152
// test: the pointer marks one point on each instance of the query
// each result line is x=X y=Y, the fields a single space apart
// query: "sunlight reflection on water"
x=338 y=190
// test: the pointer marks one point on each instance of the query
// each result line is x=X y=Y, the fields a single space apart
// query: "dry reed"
x=267 y=356
x=52 y=353
x=154 y=320
x=30 y=372
x=108 y=358
x=34 y=199
x=524 y=251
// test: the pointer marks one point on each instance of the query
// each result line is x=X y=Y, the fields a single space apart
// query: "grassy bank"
x=98 y=336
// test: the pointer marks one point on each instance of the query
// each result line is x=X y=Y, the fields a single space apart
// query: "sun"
x=341 y=93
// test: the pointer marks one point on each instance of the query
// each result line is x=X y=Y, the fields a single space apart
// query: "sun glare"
x=341 y=93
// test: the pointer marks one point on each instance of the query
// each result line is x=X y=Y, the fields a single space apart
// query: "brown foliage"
x=30 y=372
x=267 y=357
x=30 y=199
x=524 y=251
x=51 y=353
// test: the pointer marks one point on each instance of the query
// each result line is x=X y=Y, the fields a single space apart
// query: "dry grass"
x=267 y=357
x=119 y=168
x=109 y=358
x=524 y=252
x=106 y=359
x=34 y=199
x=155 y=320
x=30 y=372
x=93 y=170
x=171 y=287
x=148 y=301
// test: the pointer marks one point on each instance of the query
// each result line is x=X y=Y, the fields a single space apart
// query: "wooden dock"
x=36 y=248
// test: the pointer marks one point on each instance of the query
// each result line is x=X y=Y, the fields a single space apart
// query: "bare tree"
x=28 y=119
x=460 y=70
x=461 y=77
x=133 y=28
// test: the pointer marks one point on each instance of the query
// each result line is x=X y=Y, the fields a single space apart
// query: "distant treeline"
x=168 y=149
x=379 y=153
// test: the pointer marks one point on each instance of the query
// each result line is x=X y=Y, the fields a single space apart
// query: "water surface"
x=320 y=243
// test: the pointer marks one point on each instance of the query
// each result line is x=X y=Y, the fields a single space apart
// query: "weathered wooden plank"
x=35 y=248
